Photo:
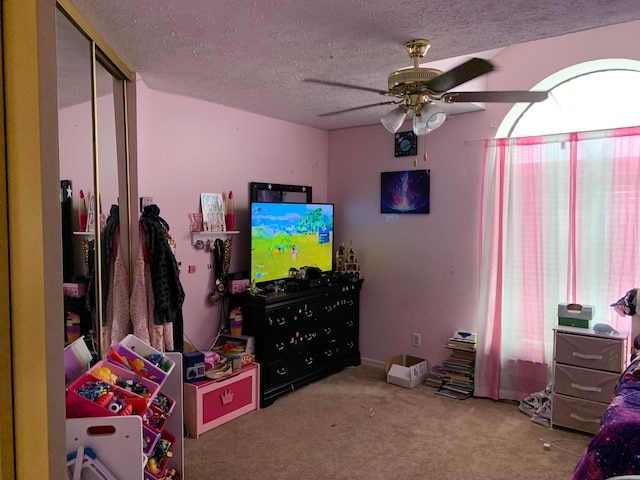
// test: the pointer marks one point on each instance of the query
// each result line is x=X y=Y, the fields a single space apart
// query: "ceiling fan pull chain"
x=424 y=155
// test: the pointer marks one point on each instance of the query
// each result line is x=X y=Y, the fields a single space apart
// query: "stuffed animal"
x=627 y=304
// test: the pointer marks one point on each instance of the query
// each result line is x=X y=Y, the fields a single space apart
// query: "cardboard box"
x=406 y=371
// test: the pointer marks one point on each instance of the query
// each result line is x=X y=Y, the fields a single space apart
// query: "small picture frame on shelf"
x=212 y=212
x=195 y=222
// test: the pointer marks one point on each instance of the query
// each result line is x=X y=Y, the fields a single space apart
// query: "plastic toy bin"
x=123 y=374
x=137 y=346
x=156 y=416
x=149 y=439
x=148 y=370
x=79 y=406
x=159 y=457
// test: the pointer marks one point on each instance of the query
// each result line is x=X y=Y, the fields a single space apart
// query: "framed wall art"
x=405 y=192
x=212 y=212
x=406 y=144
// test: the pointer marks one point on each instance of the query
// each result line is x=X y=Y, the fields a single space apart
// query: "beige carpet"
x=353 y=425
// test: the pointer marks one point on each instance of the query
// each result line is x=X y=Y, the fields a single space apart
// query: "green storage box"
x=573 y=322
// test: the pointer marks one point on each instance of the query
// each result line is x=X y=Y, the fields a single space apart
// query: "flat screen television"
x=290 y=235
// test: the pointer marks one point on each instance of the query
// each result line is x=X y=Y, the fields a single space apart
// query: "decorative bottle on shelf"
x=229 y=216
x=82 y=213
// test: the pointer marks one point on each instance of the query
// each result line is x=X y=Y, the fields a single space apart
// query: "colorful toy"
x=72 y=327
x=104 y=374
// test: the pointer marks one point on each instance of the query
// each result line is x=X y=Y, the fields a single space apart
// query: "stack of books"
x=436 y=376
x=458 y=369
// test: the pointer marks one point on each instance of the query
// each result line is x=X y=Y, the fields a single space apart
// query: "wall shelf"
x=207 y=236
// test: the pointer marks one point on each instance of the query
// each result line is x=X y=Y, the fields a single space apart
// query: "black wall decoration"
x=406 y=143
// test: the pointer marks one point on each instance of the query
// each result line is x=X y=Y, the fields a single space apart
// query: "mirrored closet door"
x=94 y=179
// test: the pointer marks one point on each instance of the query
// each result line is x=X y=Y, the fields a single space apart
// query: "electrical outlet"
x=145 y=202
x=415 y=339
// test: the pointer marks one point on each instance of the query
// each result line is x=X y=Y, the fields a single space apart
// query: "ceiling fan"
x=416 y=89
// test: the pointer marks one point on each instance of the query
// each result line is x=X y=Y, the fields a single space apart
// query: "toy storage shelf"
x=207 y=236
x=121 y=451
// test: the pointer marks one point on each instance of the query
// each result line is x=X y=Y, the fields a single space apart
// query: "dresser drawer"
x=594 y=385
x=288 y=343
x=577 y=413
x=588 y=351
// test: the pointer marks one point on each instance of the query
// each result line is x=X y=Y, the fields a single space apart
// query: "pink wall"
x=75 y=138
x=421 y=271
x=188 y=146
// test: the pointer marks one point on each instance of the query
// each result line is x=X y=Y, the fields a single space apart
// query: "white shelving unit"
x=121 y=448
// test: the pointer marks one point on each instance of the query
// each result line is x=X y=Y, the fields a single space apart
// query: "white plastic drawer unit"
x=594 y=385
x=586 y=369
x=589 y=352
x=577 y=413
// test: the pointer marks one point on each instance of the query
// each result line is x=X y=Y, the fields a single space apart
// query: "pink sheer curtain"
x=560 y=222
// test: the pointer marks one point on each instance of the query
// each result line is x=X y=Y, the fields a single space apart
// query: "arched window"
x=596 y=95
x=560 y=219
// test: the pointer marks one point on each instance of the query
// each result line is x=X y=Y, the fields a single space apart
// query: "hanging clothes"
x=141 y=305
x=117 y=305
x=114 y=280
x=168 y=294
x=111 y=229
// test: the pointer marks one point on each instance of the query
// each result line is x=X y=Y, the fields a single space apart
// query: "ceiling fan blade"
x=357 y=108
x=458 y=75
x=345 y=85
x=495 y=96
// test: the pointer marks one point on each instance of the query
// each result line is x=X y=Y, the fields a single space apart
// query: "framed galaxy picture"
x=405 y=192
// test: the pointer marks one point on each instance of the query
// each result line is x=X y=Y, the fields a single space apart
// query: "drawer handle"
x=308 y=361
x=587 y=357
x=280 y=346
x=350 y=323
x=281 y=371
x=308 y=313
x=586 y=388
x=328 y=353
x=351 y=344
x=327 y=330
x=280 y=321
x=583 y=419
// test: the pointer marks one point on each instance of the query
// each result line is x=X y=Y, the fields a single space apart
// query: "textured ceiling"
x=253 y=55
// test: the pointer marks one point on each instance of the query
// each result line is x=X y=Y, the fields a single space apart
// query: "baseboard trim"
x=373 y=363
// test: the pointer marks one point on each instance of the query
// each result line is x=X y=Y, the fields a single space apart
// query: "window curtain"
x=559 y=222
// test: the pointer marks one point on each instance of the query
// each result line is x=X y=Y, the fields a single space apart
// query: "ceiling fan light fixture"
x=420 y=125
x=433 y=116
x=394 y=119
